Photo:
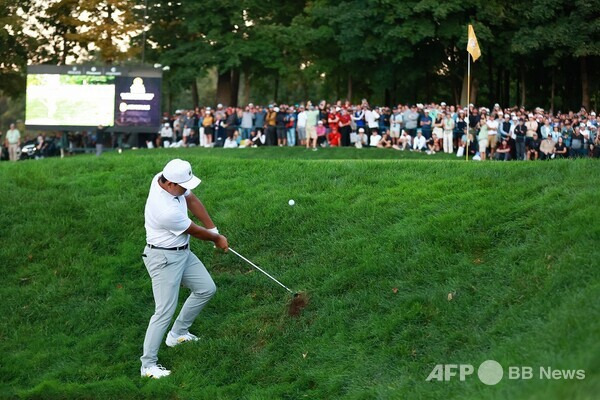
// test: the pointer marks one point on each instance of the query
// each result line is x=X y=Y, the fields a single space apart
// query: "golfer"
x=170 y=262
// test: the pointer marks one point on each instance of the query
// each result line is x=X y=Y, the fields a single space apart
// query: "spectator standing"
x=396 y=124
x=100 y=136
x=410 y=118
x=492 y=132
x=520 y=135
x=312 y=116
x=247 y=122
x=208 y=123
x=425 y=124
x=271 y=124
x=482 y=138
x=345 y=129
x=260 y=115
x=532 y=127
x=280 y=125
x=301 y=125
x=13 y=142
x=290 y=127
x=448 y=135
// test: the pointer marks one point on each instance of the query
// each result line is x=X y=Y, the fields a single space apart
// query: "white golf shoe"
x=173 y=340
x=155 y=371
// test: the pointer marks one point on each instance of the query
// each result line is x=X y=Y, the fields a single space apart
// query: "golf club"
x=264 y=272
x=299 y=301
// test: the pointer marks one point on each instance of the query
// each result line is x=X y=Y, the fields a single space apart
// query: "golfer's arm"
x=201 y=233
x=197 y=208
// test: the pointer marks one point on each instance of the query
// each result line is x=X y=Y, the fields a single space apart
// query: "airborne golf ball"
x=291 y=202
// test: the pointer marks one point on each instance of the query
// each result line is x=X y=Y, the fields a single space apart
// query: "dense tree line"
x=534 y=52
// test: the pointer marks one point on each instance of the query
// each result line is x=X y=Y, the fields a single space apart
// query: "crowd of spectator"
x=478 y=132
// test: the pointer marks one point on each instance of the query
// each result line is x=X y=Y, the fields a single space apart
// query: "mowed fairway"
x=377 y=244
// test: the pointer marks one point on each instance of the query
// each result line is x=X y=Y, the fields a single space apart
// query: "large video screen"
x=70 y=100
x=137 y=101
x=79 y=97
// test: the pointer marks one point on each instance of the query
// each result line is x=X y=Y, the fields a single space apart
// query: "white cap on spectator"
x=426 y=110
x=321 y=123
x=359 y=129
x=496 y=105
x=514 y=118
x=208 y=108
x=530 y=115
x=276 y=109
x=443 y=104
x=582 y=125
x=219 y=105
x=593 y=114
x=419 y=105
x=471 y=105
x=513 y=113
x=337 y=109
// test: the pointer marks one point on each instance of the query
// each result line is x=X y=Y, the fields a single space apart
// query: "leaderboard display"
x=78 y=97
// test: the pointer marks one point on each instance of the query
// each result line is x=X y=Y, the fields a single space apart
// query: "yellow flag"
x=472 y=45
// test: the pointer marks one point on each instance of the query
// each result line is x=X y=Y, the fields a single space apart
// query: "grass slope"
x=515 y=243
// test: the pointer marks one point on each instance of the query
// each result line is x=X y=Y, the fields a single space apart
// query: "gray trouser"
x=168 y=270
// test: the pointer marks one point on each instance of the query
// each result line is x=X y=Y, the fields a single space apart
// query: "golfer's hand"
x=221 y=243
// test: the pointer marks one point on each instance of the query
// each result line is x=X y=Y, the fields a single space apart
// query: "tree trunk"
x=491 y=86
x=523 y=94
x=585 y=84
x=349 y=87
x=235 y=87
x=276 y=94
x=194 y=87
x=507 y=87
x=246 y=96
x=552 y=88
x=224 y=87
x=474 y=89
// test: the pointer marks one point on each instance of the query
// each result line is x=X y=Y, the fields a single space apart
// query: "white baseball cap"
x=180 y=172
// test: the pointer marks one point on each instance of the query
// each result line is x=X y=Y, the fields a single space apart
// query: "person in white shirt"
x=492 y=125
x=420 y=143
x=372 y=119
x=13 y=142
x=374 y=139
x=166 y=135
x=448 y=135
x=170 y=262
x=404 y=141
x=301 y=125
x=361 y=140
x=396 y=122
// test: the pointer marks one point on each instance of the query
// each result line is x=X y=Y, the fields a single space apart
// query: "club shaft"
x=258 y=268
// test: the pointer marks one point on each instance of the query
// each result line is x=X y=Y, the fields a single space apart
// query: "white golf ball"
x=291 y=202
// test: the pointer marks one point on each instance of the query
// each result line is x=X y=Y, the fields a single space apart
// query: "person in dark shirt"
x=560 y=148
x=533 y=149
x=280 y=125
x=503 y=151
x=520 y=133
x=577 y=144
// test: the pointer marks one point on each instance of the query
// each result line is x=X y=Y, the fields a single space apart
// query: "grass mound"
x=408 y=264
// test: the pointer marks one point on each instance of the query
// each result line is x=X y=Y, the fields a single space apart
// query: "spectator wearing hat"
x=425 y=124
x=166 y=135
x=312 y=116
x=301 y=125
x=386 y=141
x=460 y=128
x=547 y=147
x=321 y=134
x=260 y=115
x=361 y=139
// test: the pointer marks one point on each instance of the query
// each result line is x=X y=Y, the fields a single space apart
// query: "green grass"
x=515 y=243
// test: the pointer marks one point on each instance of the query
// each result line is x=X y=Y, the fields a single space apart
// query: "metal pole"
x=468 y=102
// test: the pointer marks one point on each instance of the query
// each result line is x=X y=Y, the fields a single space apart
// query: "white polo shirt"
x=166 y=217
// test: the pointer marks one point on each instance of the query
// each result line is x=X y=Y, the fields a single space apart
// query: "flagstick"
x=468 y=102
